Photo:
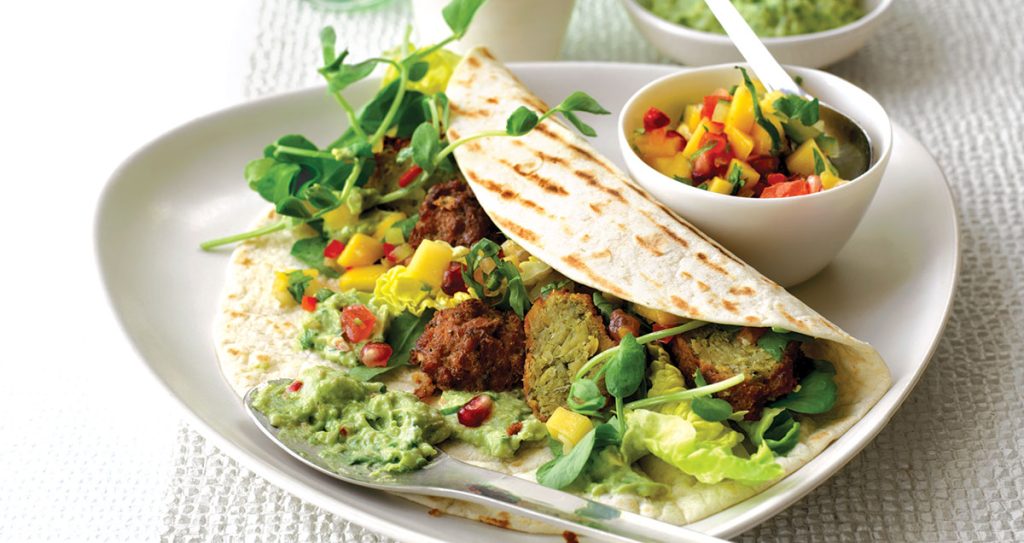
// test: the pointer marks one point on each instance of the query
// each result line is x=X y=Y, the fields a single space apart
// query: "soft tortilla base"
x=256 y=342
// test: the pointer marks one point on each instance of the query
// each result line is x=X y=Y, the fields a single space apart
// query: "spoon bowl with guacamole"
x=808 y=33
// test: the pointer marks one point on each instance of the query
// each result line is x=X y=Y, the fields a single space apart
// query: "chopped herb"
x=553 y=286
x=775 y=342
x=502 y=286
x=701 y=150
x=735 y=177
x=297 y=283
x=759 y=116
x=819 y=164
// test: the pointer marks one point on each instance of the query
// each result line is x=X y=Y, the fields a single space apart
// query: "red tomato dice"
x=357 y=322
x=655 y=119
x=789 y=188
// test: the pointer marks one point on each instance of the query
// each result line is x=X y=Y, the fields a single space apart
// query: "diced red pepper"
x=375 y=355
x=388 y=248
x=357 y=322
x=655 y=119
x=309 y=303
x=764 y=164
x=665 y=340
x=776 y=178
x=409 y=176
x=295 y=386
x=475 y=411
x=708 y=110
x=334 y=249
x=789 y=188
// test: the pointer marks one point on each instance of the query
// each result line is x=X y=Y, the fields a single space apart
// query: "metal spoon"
x=447 y=477
x=854 y=156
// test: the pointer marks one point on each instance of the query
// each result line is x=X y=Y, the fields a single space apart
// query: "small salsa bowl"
x=787 y=239
x=699 y=48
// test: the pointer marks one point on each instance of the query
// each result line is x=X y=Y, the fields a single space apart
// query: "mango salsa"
x=745 y=142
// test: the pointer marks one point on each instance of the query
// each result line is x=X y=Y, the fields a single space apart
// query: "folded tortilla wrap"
x=552 y=193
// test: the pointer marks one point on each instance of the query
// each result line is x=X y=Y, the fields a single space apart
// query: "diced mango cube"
x=829 y=180
x=568 y=427
x=801 y=161
x=387 y=220
x=741 y=114
x=394 y=236
x=741 y=142
x=694 y=143
x=663 y=318
x=340 y=217
x=676 y=167
x=361 y=250
x=691 y=117
x=429 y=262
x=721 y=111
x=721 y=186
x=362 y=279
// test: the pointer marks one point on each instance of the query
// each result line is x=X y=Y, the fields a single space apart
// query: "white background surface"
x=91 y=450
x=87 y=438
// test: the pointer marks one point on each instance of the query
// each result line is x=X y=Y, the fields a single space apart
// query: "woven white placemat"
x=950 y=465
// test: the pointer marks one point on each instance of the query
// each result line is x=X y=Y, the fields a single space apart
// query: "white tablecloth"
x=81 y=465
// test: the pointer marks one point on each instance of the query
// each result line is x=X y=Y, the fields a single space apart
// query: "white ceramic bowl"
x=787 y=239
x=699 y=48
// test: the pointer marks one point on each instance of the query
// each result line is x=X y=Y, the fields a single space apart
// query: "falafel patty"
x=720 y=353
x=563 y=331
x=451 y=213
x=473 y=347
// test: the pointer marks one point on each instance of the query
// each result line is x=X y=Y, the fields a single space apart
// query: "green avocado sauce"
x=492 y=437
x=354 y=422
x=322 y=331
x=768 y=18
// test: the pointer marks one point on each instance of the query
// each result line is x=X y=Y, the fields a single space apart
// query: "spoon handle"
x=761 y=62
x=580 y=515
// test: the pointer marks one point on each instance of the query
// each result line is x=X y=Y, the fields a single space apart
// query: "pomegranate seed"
x=343 y=431
x=375 y=355
x=388 y=249
x=409 y=176
x=655 y=119
x=334 y=249
x=452 y=281
x=295 y=386
x=514 y=428
x=309 y=303
x=476 y=411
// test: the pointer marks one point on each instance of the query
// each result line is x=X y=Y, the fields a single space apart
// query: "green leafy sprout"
x=305 y=182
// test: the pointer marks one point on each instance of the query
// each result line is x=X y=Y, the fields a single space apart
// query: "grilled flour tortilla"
x=552 y=193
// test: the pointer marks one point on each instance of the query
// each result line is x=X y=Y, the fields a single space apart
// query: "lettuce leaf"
x=777 y=429
x=706 y=454
x=681 y=438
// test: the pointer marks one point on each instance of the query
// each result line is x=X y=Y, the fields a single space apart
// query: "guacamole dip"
x=510 y=424
x=322 y=331
x=354 y=422
x=768 y=18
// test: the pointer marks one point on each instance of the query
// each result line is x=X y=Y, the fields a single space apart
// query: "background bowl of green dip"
x=811 y=33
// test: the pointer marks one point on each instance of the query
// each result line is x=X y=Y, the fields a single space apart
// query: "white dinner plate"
x=892 y=285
